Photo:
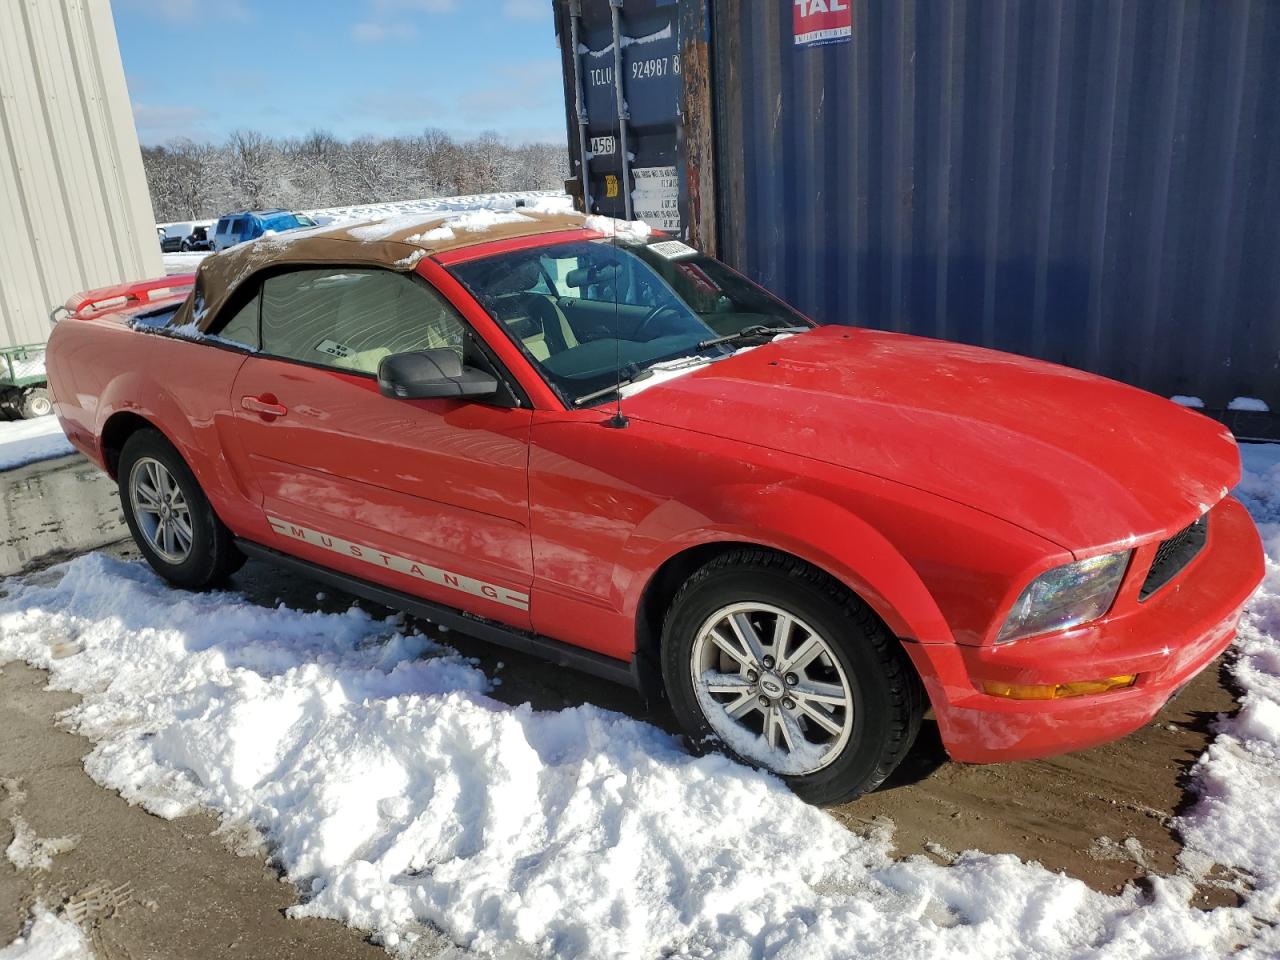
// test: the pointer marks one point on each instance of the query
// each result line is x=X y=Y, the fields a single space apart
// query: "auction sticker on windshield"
x=672 y=249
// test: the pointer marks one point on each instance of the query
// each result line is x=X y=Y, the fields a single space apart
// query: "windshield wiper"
x=755 y=332
x=644 y=374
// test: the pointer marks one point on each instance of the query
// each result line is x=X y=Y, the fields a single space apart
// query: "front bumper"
x=1165 y=640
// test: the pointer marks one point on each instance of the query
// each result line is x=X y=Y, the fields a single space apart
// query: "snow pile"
x=1251 y=404
x=29 y=852
x=175 y=263
x=48 y=937
x=28 y=441
x=396 y=792
x=1236 y=821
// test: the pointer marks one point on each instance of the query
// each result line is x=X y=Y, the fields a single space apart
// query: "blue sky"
x=201 y=68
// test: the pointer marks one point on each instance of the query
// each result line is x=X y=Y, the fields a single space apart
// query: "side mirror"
x=428 y=374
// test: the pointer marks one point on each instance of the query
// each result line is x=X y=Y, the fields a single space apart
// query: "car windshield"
x=584 y=308
x=282 y=221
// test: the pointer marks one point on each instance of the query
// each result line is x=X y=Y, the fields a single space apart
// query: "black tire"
x=213 y=555
x=888 y=695
x=35 y=402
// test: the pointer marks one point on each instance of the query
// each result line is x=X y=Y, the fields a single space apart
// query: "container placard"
x=822 y=21
x=656 y=197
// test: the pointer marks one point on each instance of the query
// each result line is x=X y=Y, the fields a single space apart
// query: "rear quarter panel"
x=102 y=367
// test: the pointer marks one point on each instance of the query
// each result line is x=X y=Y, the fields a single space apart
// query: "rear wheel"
x=170 y=518
x=785 y=668
x=35 y=402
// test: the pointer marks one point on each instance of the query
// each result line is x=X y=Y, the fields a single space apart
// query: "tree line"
x=251 y=171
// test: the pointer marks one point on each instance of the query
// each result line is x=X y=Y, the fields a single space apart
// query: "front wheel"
x=785 y=668
x=171 y=519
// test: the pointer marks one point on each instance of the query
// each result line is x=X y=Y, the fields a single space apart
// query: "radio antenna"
x=618 y=421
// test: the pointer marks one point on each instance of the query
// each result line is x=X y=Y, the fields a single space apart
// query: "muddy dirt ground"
x=1102 y=815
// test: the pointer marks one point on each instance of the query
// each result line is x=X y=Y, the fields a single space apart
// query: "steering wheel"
x=650 y=317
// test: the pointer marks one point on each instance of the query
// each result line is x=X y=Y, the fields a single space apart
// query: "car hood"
x=1078 y=459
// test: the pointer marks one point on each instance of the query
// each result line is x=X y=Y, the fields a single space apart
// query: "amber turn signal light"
x=1056 y=691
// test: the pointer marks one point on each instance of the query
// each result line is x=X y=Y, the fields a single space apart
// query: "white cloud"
x=520 y=87
x=187 y=11
x=389 y=19
x=527 y=9
x=158 y=123
x=374 y=31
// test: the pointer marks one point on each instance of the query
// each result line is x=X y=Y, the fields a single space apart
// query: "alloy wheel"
x=772 y=688
x=161 y=510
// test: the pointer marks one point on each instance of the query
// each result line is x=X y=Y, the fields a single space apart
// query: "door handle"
x=266 y=406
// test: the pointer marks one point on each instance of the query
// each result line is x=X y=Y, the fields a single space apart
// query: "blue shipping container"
x=1095 y=182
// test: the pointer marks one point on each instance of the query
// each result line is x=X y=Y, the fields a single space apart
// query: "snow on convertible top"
x=399 y=795
x=437 y=228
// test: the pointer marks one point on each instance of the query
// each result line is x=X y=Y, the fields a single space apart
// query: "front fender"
x=803 y=524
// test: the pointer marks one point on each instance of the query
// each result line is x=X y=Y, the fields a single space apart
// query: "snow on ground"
x=395 y=792
x=182 y=262
x=396 y=208
x=48 y=937
x=1236 y=821
x=26 y=441
x=422 y=209
x=30 y=852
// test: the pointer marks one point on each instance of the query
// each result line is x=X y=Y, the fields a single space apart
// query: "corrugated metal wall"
x=74 y=208
x=1096 y=182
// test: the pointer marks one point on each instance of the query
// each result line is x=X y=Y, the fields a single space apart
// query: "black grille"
x=1174 y=554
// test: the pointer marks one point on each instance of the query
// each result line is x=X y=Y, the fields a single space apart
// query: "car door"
x=425 y=496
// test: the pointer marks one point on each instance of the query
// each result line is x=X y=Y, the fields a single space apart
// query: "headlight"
x=1066 y=596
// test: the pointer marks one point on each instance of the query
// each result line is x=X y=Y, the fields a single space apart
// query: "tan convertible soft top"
x=395 y=243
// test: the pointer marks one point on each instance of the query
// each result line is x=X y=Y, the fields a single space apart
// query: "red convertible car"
x=618 y=453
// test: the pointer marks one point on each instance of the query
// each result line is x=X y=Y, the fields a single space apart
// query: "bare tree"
x=251 y=171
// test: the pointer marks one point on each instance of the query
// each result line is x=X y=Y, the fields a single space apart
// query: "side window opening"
x=242 y=328
x=349 y=319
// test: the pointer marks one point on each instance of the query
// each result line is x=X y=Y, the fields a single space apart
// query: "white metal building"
x=74 y=208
